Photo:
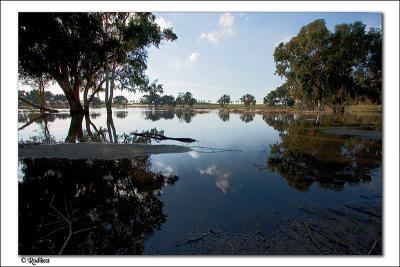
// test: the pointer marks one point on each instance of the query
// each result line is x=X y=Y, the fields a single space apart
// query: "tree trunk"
x=75 y=103
x=72 y=95
x=75 y=131
x=85 y=100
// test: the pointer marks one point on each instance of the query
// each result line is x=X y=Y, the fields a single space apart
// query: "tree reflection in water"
x=121 y=114
x=155 y=115
x=89 y=206
x=108 y=206
x=304 y=155
x=247 y=116
x=185 y=115
x=224 y=115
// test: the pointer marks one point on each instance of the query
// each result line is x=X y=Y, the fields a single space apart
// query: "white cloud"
x=163 y=23
x=226 y=20
x=225 y=23
x=193 y=56
x=212 y=37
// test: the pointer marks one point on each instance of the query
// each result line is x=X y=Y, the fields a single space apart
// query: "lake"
x=266 y=184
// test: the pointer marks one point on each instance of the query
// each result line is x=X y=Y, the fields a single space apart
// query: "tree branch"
x=37 y=106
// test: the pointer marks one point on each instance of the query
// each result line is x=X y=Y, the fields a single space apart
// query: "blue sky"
x=232 y=53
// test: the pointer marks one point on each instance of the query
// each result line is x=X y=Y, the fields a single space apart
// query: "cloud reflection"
x=194 y=154
x=166 y=169
x=223 y=177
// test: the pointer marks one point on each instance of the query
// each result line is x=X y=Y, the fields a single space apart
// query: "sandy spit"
x=95 y=150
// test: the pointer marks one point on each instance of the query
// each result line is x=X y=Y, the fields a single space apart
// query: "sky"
x=228 y=53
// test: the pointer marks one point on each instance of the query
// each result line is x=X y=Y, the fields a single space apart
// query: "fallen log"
x=163 y=137
x=37 y=106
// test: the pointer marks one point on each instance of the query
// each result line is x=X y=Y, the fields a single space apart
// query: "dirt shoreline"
x=95 y=150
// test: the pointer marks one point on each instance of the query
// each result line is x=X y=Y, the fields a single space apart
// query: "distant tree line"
x=330 y=68
x=36 y=97
x=156 y=99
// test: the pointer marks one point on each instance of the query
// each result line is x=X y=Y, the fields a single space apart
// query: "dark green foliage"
x=324 y=67
x=34 y=96
x=224 y=100
x=97 y=101
x=87 y=51
x=120 y=100
x=154 y=94
x=167 y=100
x=281 y=95
x=248 y=100
x=59 y=98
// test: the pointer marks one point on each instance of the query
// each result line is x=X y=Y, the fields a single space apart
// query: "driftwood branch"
x=37 y=106
x=163 y=137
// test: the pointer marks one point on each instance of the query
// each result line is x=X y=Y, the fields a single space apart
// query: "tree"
x=64 y=47
x=324 y=67
x=224 y=100
x=120 y=100
x=167 y=100
x=281 y=95
x=59 y=98
x=180 y=99
x=126 y=62
x=153 y=97
x=96 y=101
x=188 y=99
x=271 y=99
x=303 y=61
x=248 y=100
x=85 y=51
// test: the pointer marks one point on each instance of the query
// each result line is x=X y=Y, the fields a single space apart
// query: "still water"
x=252 y=184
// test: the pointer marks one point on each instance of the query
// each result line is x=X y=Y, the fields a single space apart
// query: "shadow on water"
x=89 y=206
x=304 y=155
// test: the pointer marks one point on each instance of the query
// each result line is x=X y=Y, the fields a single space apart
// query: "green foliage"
x=120 y=100
x=185 y=99
x=59 y=98
x=281 y=95
x=154 y=93
x=248 y=100
x=167 y=100
x=321 y=66
x=34 y=96
x=85 y=51
x=97 y=101
x=224 y=100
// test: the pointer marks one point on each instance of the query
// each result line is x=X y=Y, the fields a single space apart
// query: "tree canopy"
x=85 y=51
x=248 y=100
x=224 y=100
x=281 y=95
x=331 y=67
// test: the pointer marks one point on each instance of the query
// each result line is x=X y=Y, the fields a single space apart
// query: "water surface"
x=252 y=184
